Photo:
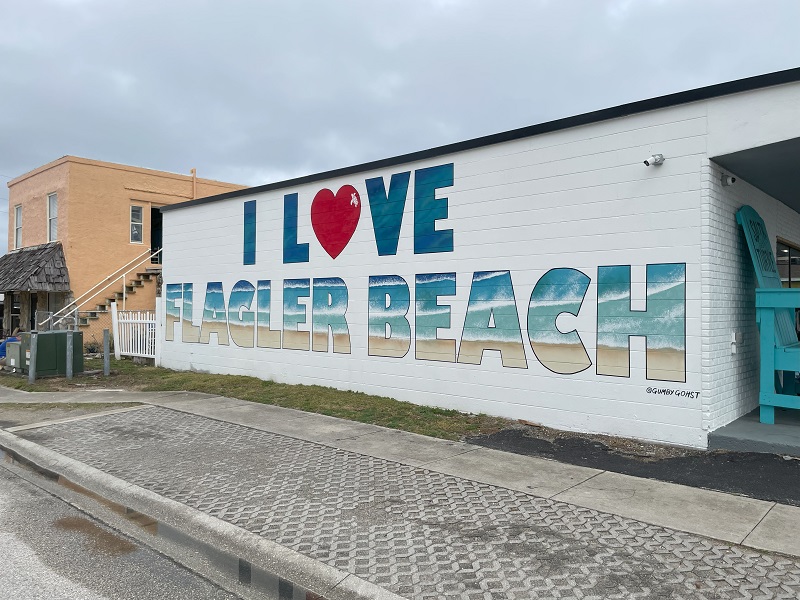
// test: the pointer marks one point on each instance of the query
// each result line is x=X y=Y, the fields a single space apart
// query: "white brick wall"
x=578 y=198
x=730 y=381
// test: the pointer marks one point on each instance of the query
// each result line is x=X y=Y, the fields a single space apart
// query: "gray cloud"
x=254 y=91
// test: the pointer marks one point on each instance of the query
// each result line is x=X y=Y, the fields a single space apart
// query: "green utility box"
x=51 y=352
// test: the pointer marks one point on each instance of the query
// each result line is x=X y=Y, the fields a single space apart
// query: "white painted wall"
x=755 y=118
x=730 y=381
x=578 y=198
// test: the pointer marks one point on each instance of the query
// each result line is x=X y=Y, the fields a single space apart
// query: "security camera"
x=728 y=180
x=656 y=159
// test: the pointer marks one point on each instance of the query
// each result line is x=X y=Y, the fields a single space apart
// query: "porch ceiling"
x=774 y=169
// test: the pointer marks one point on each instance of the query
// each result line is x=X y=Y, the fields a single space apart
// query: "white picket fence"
x=134 y=332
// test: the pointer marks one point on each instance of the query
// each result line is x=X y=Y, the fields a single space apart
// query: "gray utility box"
x=14 y=357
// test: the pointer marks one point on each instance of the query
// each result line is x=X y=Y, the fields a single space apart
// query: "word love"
x=491 y=320
x=335 y=216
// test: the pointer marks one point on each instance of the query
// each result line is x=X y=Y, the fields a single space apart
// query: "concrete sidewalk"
x=352 y=510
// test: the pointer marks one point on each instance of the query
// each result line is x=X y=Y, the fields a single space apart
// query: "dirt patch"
x=768 y=477
x=627 y=447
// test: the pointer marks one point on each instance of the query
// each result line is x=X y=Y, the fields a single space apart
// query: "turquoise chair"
x=775 y=310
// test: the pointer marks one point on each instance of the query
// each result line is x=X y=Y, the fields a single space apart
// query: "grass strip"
x=354 y=406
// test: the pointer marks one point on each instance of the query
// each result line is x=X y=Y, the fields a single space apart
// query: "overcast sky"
x=254 y=91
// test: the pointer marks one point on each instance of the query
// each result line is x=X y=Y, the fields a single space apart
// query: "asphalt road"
x=51 y=550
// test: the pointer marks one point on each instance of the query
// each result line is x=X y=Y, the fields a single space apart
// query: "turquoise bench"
x=775 y=315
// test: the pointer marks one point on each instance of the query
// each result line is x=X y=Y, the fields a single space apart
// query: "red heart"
x=334 y=218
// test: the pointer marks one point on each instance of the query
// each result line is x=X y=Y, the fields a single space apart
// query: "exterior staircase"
x=144 y=280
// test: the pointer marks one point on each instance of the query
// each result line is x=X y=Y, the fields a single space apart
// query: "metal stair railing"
x=96 y=289
x=123 y=277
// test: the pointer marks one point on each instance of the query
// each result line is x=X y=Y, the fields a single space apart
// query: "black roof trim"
x=605 y=114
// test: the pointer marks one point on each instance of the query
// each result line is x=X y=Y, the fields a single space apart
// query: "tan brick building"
x=97 y=220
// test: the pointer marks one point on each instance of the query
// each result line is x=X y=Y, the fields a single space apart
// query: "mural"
x=214 y=315
x=241 y=319
x=294 y=313
x=387 y=210
x=173 y=298
x=389 y=329
x=559 y=291
x=335 y=218
x=432 y=316
x=663 y=323
x=428 y=209
x=492 y=322
x=328 y=314
x=266 y=337
x=190 y=333
x=249 y=250
x=314 y=311
x=293 y=252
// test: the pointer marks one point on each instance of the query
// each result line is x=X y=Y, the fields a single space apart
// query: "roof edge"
x=119 y=166
x=605 y=114
x=34 y=247
x=40 y=169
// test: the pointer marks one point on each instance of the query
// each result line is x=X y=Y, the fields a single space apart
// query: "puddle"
x=265 y=584
x=100 y=540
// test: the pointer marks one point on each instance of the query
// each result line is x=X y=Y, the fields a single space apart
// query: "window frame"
x=17 y=226
x=14 y=310
x=793 y=250
x=52 y=218
x=140 y=223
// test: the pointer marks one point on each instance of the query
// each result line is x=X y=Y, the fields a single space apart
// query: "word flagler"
x=491 y=322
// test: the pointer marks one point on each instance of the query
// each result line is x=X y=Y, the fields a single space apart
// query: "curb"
x=328 y=582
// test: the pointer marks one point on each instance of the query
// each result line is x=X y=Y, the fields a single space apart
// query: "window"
x=788 y=260
x=136 y=224
x=15 y=312
x=18 y=226
x=55 y=301
x=52 y=217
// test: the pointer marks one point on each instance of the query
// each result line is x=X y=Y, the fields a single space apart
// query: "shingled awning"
x=39 y=268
